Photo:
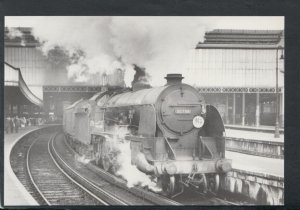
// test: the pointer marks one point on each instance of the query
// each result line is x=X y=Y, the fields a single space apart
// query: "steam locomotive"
x=173 y=134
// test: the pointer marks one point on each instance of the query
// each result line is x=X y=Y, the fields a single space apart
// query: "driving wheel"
x=105 y=162
x=213 y=183
x=168 y=184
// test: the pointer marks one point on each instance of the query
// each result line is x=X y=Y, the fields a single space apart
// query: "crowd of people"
x=13 y=124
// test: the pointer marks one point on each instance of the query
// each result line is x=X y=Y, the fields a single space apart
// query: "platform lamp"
x=277 y=135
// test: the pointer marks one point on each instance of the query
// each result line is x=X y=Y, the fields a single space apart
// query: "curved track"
x=80 y=179
x=38 y=166
x=51 y=182
x=50 y=170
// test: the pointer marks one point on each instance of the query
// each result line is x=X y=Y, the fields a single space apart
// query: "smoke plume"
x=160 y=44
x=14 y=33
x=140 y=75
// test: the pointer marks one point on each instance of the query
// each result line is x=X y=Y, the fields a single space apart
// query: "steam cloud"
x=129 y=172
x=120 y=148
x=122 y=163
x=16 y=33
x=160 y=44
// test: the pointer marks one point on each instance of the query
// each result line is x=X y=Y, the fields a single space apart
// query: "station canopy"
x=16 y=87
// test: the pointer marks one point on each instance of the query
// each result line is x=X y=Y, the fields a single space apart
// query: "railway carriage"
x=173 y=134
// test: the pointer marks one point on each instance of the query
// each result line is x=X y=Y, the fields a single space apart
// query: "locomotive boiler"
x=174 y=135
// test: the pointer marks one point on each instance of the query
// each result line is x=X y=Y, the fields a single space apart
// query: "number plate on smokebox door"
x=183 y=111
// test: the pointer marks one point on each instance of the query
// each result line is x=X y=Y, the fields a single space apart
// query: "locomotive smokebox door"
x=181 y=109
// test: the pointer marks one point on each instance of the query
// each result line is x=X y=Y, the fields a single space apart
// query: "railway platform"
x=256 y=164
x=260 y=135
x=254 y=142
x=261 y=128
x=260 y=179
x=259 y=140
x=15 y=193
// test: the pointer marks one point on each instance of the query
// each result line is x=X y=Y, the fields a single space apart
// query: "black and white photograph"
x=144 y=110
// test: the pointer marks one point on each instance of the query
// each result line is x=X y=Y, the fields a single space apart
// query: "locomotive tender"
x=173 y=134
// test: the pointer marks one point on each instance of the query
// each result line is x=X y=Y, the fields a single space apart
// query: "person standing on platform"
x=24 y=122
x=11 y=124
x=252 y=111
x=17 y=124
x=6 y=124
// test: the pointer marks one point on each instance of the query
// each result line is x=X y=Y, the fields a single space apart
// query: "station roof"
x=13 y=78
x=242 y=39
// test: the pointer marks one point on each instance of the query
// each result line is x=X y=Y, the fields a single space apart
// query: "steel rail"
x=202 y=195
x=107 y=194
x=60 y=169
x=225 y=201
x=69 y=177
x=30 y=175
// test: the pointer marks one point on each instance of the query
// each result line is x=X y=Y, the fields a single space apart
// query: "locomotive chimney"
x=173 y=79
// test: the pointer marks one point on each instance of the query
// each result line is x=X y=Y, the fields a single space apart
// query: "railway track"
x=18 y=163
x=51 y=182
x=75 y=171
x=34 y=160
x=193 y=197
x=45 y=164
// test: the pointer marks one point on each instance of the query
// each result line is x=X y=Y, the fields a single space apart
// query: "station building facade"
x=236 y=72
